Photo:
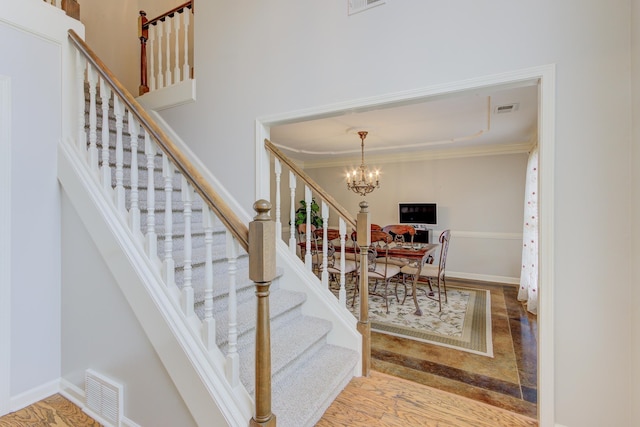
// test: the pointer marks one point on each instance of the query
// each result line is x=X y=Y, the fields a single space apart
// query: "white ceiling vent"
x=506 y=108
x=103 y=398
x=356 y=6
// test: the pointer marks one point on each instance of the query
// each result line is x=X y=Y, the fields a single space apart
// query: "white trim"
x=484 y=278
x=77 y=396
x=420 y=156
x=170 y=96
x=545 y=77
x=5 y=243
x=484 y=235
x=546 y=132
x=34 y=395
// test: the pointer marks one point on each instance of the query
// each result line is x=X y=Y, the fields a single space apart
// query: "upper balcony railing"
x=71 y=7
x=166 y=48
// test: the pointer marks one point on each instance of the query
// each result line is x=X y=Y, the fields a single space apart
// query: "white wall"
x=285 y=56
x=101 y=332
x=33 y=33
x=481 y=199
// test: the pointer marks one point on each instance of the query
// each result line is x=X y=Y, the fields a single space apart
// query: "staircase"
x=191 y=249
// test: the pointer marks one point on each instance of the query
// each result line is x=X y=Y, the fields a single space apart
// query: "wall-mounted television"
x=418 y=213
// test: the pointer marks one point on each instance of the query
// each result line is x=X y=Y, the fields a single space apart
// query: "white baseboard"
x=34 y=395
x=76 y=395
x=484 y=277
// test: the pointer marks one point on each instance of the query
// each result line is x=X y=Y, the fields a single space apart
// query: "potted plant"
x=301 y=214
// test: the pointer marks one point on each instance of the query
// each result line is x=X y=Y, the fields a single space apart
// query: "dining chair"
x=400 y=232
x=334 y=268
x=434 y=273
x=316 y=255
x=379 y=268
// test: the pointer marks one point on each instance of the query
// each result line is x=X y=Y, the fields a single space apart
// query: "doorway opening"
x=543 y=79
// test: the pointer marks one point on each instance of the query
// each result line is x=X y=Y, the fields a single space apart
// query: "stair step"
x=283 y=305
x=296 y=343
x=301 y=399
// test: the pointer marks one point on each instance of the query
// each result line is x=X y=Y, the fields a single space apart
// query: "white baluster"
x=105 y=96
x=209 y=322
x=185 y=67
x=176 y=49
x=168 y=263
x=92 y=77
x=308 y=261
x=342 y=293
x=151 y=45
x=118 y=108
x=187 y=288
x=134 y=209
x=159 y=31
x=81 y=65
x=293 y=246
x=233 y=359
x=151 y=237
x=167 y=45
x=325 y=244
x=278 y=172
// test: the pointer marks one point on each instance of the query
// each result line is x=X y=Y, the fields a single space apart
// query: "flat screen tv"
x=418 y=213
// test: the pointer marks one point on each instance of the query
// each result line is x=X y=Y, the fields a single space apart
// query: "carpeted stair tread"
x=281 y=303
x=302 y=399
x=198 y=255
x=295 y=343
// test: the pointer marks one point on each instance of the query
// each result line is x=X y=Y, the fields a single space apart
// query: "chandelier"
x=362 y=181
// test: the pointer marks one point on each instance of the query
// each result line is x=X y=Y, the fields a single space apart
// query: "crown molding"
x=415 y=156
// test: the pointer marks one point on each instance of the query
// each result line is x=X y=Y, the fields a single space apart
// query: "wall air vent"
x=103 y=398
x=356 y=6
x=506 y=108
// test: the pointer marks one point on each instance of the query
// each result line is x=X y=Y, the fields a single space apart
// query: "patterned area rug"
x=463 y=324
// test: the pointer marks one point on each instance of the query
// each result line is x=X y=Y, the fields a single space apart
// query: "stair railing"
x=329 y=208
x=165 y=40
x=106 y=163
x=71 y=7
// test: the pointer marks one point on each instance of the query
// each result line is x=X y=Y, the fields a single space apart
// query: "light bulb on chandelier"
x=362 y=181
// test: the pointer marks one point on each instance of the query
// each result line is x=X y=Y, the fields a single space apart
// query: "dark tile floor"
x=507 y=380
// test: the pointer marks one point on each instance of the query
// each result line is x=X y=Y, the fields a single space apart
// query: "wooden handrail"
x=311 y=183
x=178 y=9
x=228 y=217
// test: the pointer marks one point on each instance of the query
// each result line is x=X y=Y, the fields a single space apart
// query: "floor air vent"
x=103 y=398
x=356 y=6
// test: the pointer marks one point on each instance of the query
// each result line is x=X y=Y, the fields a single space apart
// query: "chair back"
x=444 y=238
x=398 y=231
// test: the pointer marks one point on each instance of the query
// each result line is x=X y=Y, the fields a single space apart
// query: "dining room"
x=479 y=191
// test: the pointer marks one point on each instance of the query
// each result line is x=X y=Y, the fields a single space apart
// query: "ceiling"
x=501 y=119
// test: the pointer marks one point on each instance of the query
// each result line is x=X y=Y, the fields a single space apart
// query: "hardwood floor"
x=54 y=411
x=508 y=380
x=386 y=401
x=414 y=384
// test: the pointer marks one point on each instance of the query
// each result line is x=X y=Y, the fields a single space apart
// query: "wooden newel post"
x=143 y=35
x=364 y=240
x=262 y=271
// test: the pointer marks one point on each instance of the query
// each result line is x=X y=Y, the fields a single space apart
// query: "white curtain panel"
x=529 y=277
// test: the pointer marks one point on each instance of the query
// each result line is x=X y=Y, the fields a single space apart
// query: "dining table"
x=417 y=254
